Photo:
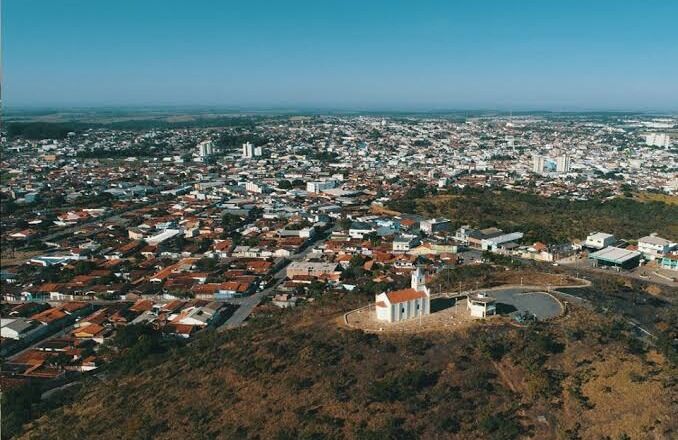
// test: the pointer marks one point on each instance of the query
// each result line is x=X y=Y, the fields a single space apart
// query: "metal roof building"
x=616 y=257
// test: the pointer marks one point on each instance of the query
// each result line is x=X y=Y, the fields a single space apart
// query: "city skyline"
x=344 y=56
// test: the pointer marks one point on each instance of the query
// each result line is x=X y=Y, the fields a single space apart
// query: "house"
x=50 y=316
x=480 y=305
x=197 y=315
x=653 y=246
x=22 y=235
x=284 y=300
x=404 y=304
x=95 y=332
x=599 y=240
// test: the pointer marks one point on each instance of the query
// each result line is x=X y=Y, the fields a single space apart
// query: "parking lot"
x=541 y=304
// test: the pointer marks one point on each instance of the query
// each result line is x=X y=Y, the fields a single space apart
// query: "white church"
x=405 y=304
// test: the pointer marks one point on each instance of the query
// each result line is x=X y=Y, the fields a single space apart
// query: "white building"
x=538 y=163
x=653 y=246
x=258 y=188
x=404 y=243
x=599 y=240
x=360 y=229
x=205 y=149
x=662 y=140
x=491 y=244
x=318 y=186
x=563 y=164
x=400 y=305
x=19 y=328
x=434 y=225
x=480 y=305
x=247 y=150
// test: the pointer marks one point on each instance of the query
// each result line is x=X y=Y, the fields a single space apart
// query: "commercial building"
x=653 y=246
x=617 y=258
x=599 y=240
x=492 y=244
x=404 y=243
x=435 y=225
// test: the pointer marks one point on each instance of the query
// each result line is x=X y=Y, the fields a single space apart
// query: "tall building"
x=205 y=149
x=247 y=150
x=538 y=163
x=563 y=164
x=662 y=140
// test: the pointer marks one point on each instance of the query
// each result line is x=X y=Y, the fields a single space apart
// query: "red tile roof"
x=404 y=295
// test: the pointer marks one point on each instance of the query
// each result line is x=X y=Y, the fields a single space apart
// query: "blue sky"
x=369 y=54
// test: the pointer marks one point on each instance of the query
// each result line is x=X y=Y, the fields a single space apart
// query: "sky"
x=342 y=54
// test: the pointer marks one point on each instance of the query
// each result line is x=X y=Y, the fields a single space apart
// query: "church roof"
x=404 y=295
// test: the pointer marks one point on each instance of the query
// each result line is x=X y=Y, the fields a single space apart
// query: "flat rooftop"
x=614 y=255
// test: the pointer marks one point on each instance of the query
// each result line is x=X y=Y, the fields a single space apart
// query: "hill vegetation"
x=297 y=374
x=550 y=220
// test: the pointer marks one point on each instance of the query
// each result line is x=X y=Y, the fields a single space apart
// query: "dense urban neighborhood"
x=122 y=243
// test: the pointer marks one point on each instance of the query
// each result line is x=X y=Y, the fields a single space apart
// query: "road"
x=248 y=303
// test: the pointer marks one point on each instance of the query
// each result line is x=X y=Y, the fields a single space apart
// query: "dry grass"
x=653 y=197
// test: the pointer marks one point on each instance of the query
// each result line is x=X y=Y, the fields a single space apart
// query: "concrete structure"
x=163 y=236
x=404 y=243
x=669 y=262
x=658 y=140
x=617 y=258
x=205 y=150
x=480 y=305
x=313 y=269
x=319 y=186
x=563 y=164
x=360 y=229
x=491 y=244
x=405 y=304
x=538 y=163
x=653 y=246
x=247 y=150
x=435 y=225
x=20 y=328
x=599 y=240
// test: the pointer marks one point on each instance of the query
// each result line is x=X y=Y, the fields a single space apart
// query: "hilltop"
x=296 y=374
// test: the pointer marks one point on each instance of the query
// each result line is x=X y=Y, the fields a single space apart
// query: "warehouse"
x=616 y=257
